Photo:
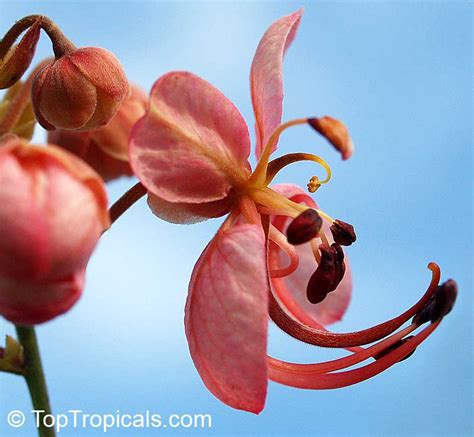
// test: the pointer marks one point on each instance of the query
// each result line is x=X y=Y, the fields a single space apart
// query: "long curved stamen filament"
x=259 y=175
x=290 y=304
x=323 y=237
x=278 y=164
x=344 y=362
x=279 y=239
x=295 y=378
x=342 y=340
x=315 y=248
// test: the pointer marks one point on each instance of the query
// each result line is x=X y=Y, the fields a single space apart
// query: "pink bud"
x=81 y=90
x=53 y=209
x=106 y=149
x=19 y=57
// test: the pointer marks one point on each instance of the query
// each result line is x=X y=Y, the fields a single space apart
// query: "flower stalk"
x=126 y=201
x=34 y=377
x=61 y=44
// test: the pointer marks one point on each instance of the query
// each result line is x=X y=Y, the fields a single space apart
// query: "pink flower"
x=53 y=209
x=106 y=149
x=191 y=153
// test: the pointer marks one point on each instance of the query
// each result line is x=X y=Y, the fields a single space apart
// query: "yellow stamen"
x=260 y=174
x=274 y=201
x=313 y=184
x=278 y=164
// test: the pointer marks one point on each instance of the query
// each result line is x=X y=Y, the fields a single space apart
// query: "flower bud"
x=106 y=149
x=18 y=58
x=24 y=124
x=53 y=209
x=81 y=90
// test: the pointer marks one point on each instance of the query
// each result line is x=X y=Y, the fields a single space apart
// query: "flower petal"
x=193 y=144
x=187 y=213
x=266 y=76
x=227 y=317
x=335 y=304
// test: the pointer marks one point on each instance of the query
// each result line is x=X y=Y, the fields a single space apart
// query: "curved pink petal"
x=192 y=145
x=335 y=305
x=187 y=213
x=227 y=317
x=266 y=76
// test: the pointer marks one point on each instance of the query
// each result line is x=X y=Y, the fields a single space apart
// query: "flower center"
x=306 y=226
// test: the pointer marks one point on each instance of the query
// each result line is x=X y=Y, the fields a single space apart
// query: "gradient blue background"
x=399 y=75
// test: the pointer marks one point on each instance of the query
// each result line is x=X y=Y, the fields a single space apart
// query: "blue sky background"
x=399 y=75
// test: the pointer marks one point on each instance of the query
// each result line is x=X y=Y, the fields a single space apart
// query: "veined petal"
x=335 y=304
x=227 y=317
x=266 y=76
x=192 y=145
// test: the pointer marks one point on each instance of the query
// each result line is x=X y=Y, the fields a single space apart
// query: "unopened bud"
x=81 y=90
x=106 y=149
x=22 y=126
x=18 y=58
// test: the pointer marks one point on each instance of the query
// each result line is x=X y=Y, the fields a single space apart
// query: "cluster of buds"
x=80 y=89
x=83 y=98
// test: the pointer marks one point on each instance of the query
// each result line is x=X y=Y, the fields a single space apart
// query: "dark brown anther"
x=320 y=283
x=424 y=315
x=444 y=298
x=340 y=266
x=393 y=347
x=304 y=227
x=343 y=233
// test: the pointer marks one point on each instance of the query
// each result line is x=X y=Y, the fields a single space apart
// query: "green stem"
x=34 y=377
